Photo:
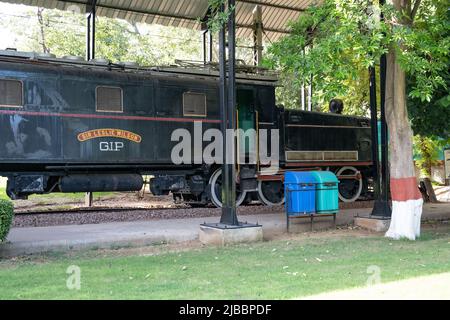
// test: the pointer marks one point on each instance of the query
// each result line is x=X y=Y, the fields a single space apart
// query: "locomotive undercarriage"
x=20 y=186
x=355 y=184
x=203 y=188
x=196 y=187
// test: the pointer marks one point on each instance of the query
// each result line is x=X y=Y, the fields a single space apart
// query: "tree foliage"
x=427 y=152
x=6 y=218
x=64 y=33
x=338 y=40
x=431 y=118
x=219 y=13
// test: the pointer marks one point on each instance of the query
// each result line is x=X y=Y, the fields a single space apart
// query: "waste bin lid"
x=299 y=177
x=324 y=176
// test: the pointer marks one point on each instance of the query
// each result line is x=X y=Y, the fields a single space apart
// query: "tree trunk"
x=406 y=199
x=42 y=30
x=430 y=191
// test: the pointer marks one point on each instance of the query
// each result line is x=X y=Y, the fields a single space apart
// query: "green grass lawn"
x=3 y=194
x=278 y=269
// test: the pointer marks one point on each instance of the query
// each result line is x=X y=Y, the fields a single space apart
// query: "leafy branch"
x=218 y=14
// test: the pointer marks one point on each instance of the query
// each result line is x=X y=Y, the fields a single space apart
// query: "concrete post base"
x=373 y=224
x=221 y=235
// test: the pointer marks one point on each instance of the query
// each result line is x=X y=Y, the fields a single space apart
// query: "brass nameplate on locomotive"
x=114 y=133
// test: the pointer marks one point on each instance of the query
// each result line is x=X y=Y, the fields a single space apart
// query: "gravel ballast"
x=93 y=216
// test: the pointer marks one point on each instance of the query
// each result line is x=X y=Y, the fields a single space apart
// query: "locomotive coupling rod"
x=356 y=176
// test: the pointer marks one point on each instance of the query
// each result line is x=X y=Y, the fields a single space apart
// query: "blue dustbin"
x=300 y=191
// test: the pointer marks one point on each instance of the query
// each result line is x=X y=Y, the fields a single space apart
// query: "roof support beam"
x=271 y=5
x=251 y=26
x=152 y=13
x=90 y=29
x=257 y=36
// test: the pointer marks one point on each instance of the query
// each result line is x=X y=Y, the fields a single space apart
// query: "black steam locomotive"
x=68 y=125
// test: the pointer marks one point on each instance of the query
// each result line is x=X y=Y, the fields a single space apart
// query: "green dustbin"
x=327 y=200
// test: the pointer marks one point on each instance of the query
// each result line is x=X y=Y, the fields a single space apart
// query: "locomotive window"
x=109 y=99
x=194 y=104
x=11 y=93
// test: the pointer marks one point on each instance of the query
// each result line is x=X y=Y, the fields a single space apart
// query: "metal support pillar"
x=90 y=30
x=257 y=36
x=88 y=37
x=229 y=216
x=227 y=103
x=207 y=40
x=384 y=143
x=210 y=47
x=374 y=132
x=223 y=99
x=88 y=199
x=205 y=51
x=381 y=207
x=310 y=93
x=302 y=97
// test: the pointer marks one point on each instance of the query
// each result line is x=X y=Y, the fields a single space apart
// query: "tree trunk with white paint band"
x=406 y=199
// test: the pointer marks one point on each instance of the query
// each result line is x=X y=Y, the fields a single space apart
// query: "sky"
x=8 y=39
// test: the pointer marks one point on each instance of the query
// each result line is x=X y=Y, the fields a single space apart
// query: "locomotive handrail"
x=237 y=160
x=257 y=141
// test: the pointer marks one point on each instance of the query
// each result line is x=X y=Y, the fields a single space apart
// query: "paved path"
x=433 y=287
x=442 y=193
x=122 y=234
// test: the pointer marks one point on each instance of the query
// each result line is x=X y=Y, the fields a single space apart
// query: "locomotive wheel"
x=249 y=197
x=215 y=183
x=349 y=189
x=271 y=193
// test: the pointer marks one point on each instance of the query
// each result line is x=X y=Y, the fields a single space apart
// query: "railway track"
x=90 y=209
x=96 y=215
x=103 y=215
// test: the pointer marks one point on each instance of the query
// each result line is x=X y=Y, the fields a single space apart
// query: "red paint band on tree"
x=404 y=189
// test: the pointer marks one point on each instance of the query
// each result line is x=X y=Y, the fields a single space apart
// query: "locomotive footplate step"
x=222 y=234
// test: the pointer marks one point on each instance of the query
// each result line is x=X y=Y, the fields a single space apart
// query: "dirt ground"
x=442 y=193
x=433 y=287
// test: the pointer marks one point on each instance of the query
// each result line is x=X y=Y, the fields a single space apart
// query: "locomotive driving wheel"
x=349 y=189
x=215 y=184
x=271 y=193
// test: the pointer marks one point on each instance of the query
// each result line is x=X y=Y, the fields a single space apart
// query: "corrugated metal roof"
x=186 y=13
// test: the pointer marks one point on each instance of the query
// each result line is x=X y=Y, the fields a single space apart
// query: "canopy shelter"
x=187 y=13
x=252 y=18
